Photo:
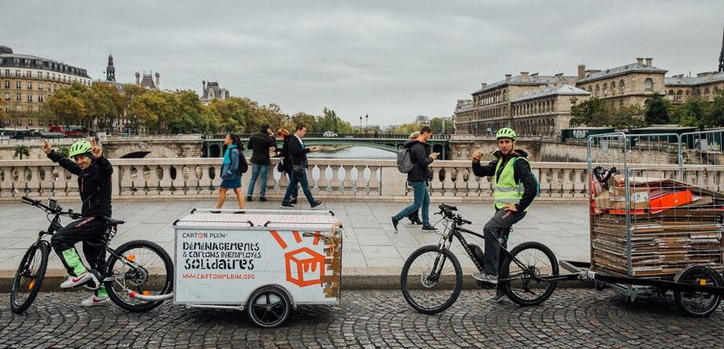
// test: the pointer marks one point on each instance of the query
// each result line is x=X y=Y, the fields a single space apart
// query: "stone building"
x=148 y=82
x=627 y=85
x=28 y=81
x=546 y=112
x=705 y=85
x=211 y=91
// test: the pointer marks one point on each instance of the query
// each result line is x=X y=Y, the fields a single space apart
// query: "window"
x=41 y=123
x=7 y=83
x=17 y=73
x=605 y=89
x=30 y=98
x=18 y=84
x=29 y=74
x=613 y=88
x=678 y=95
x=40 y=99
x=30 y=85
x=19 y=122
x=620 y=87
x=30 y=121
x=7 y=72
x=7 y=96
x=40 y=86
x=648 y=84
x=40 y=75
x=18 y=97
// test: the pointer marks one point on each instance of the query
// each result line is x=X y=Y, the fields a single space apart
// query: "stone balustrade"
x=330 y=179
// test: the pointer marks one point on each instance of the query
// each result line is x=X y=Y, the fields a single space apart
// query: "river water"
x=354 y=152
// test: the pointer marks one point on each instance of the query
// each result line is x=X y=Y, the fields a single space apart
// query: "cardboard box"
x=616 y=199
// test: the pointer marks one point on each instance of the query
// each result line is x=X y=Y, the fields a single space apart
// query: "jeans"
x=422 y=199
x=496 y=233
x=256 y=170
x=299 y=178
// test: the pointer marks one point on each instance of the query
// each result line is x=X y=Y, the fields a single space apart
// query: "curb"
x=353 y=282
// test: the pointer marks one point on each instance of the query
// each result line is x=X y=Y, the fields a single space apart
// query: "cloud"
x=393 y=60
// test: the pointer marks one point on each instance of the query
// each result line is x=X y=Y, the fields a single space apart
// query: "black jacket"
x=259 y=144
x=521 y=172
x=94 y=184
x=419 y=152
x=295 y=152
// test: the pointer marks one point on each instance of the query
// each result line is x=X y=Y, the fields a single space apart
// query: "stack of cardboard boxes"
x=672 y=225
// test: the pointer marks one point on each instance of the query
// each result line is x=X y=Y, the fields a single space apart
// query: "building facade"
x=26 y=82
x=705 y=85
x=211 y=91
x=546 y=112
x=147 y=81
x=627 y=85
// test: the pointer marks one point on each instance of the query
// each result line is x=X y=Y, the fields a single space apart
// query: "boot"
x=414 y=218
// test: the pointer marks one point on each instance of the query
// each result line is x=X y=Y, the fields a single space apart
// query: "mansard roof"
x=565 y=90
x=624 y=69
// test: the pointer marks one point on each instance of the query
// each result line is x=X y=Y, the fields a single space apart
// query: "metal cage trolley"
x=656 y=207
x=266 y=262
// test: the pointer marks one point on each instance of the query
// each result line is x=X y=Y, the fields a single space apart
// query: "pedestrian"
x=297 y=154
x=414 y=217
x=94 y=182
x=515 y=187
x=418 y=178
x=230 y=176
x=261 y=143
x=286 y=164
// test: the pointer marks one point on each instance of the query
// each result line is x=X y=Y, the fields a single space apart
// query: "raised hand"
x=46 y=146
x=96 y=150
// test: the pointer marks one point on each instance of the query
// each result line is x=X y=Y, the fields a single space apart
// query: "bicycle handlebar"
x=46 y=208
x=447 y=212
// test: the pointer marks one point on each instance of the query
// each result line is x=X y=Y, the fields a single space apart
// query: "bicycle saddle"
x=112 y=221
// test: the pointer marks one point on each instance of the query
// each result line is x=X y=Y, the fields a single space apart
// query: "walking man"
x=261 y=143
x=298 y=160
x=419 y=177
x=515 y=188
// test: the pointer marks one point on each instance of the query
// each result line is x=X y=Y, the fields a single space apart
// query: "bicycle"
x=138 y=274
x=528 y=275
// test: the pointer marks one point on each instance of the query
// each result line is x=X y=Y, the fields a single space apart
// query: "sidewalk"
x=372 y=250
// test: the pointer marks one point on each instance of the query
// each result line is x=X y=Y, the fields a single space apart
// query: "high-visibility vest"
x=506 y=190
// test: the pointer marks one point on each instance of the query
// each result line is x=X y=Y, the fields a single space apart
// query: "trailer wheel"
x=696 y=303
x=269 y=307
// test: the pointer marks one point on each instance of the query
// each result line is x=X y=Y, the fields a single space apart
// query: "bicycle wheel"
x=518 y=281
x=431 y=279
x=145 y=268
x=697 y=303
x=29 y=277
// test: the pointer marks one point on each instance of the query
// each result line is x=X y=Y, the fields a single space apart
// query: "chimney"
x=484 y=84
x=581 y=71
x=639 y=62
x=648 y=61
x=158 y=81
x=508 y=76
x=138 y=78
x=535 y=76
x=203 y=86
x=524 y=76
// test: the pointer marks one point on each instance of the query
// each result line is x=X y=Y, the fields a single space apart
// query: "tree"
x=21 y=150
x=693 y=112
x=593 y=113
x=67 y=108
x=658 y=110
x=717 y=110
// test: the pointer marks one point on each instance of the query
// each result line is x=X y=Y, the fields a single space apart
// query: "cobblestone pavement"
x=571 y=318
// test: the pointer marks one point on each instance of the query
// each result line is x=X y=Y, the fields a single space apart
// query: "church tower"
x=721 y=56
x=111 y=70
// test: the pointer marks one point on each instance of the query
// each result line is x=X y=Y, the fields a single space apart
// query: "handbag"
x=297 y=169
x=280 y=167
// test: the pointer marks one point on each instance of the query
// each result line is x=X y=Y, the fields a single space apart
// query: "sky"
x=391 y=60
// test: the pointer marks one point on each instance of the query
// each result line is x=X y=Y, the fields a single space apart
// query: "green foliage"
x=21 y=150
x=658 y=110
x=598 y=113
x=694 y=112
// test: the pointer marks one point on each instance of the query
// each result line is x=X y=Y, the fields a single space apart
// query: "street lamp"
x=360 y=123
x=367 y=119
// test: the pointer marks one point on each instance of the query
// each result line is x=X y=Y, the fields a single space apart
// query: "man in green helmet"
x=515 y=187
x=94 y=183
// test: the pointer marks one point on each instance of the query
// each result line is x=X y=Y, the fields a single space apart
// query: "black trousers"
x=90 y=231
x=496 y=233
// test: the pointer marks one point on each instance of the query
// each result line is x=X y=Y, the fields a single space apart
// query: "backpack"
x=243 y=165
x=404 y=163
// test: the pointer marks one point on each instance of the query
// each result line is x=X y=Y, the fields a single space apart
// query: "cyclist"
x=94 y=183
x=515 y=187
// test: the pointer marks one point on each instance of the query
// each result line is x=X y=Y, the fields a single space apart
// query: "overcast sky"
x=393 y=60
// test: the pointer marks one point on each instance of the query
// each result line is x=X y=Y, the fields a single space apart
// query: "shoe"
x=214 y=211
x=248 y=198
x=413 y=218
x=287 y=205
x=498 y=297
x=293 y=201
x=74 y=281
x=317 y=204
x=428 y=228
x=394 y=222
x=493 y=279
x=94 y=301
x=262 y=199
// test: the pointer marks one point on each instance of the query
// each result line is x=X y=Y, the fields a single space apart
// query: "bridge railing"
x=330 y=179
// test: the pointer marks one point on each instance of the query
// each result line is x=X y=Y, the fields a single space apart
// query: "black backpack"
x=243 y=165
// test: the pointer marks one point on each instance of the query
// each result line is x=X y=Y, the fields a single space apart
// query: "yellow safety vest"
x=506 y=190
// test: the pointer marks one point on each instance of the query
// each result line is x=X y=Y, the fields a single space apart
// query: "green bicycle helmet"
x=506 y=132
x=79 y=148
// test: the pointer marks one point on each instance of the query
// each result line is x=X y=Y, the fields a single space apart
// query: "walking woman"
x=230 y=176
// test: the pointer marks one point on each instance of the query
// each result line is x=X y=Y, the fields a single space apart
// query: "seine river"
x=354 y=152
